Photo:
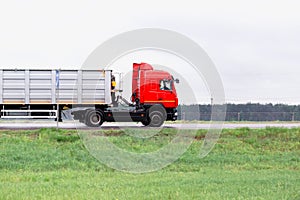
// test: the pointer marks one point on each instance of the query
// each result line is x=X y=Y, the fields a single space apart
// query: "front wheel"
x=156 y=118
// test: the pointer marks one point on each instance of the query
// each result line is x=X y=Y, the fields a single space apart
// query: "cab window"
x=165 y=84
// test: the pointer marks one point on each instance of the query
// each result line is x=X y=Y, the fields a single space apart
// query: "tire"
x=156 y=118
x=94 y=118
x=145 y=122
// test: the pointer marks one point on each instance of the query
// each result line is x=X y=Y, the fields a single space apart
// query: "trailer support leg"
x=58 y=115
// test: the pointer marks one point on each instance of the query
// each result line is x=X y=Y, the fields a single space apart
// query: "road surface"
x=6 y=124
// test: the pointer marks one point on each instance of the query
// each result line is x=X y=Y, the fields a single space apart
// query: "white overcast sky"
x=255 y=44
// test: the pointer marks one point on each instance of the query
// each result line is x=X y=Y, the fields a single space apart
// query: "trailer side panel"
x=55 y=87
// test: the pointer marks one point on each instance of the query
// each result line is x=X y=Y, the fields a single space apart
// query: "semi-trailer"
x=90 y=95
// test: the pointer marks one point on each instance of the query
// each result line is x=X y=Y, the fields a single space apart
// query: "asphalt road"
x=6 y=124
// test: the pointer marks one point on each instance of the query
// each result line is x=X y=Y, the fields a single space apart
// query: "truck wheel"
x=94 y=118
x=156 y=118
x=145 y=122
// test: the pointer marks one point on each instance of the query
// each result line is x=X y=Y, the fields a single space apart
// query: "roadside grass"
x=245 y=164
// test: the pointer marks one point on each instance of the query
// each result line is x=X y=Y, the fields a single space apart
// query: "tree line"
x=242 y=112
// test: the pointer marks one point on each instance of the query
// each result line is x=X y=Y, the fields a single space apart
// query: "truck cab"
x=154 y=88
x=151 y=86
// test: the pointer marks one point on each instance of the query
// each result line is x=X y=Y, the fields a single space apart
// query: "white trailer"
x=35 y=93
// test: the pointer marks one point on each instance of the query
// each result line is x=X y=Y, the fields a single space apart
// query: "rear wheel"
x=94 y=118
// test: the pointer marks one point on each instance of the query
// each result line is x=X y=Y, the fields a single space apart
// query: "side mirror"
x=176 y=80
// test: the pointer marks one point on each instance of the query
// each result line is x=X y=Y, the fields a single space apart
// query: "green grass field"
x=245 y=164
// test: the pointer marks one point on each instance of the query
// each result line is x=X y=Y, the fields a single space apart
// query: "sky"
x=255 y=45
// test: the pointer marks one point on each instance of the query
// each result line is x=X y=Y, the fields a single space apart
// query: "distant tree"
x=242 y=112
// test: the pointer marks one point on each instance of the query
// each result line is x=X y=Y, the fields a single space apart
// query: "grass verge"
x=245 y=164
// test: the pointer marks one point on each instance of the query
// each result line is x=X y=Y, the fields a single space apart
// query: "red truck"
x=154 y=100
x=89 y=95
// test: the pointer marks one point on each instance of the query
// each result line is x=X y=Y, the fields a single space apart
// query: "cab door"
x=158 y=88
x=167 y=93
